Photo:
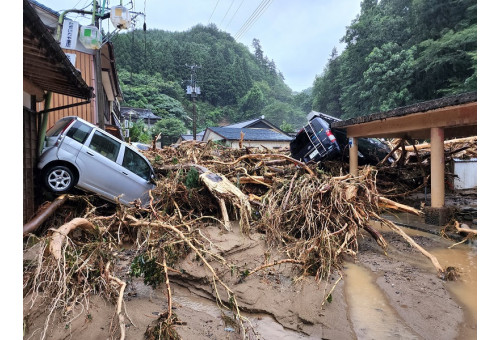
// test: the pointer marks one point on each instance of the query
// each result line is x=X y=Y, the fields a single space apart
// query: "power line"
x=251 y=20
x=237 y=9
x=213 y=11
x=245 y=24
x=232 y=2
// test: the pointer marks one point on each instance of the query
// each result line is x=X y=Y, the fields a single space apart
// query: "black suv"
x=317 y=142
x=314 y=142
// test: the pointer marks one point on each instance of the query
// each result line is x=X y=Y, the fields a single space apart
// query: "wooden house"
x=46 y=70
x=104 y=109
x=133 y=114
x=252 y=133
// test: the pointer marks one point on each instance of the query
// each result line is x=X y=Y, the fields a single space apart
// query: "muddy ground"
x=277 y=306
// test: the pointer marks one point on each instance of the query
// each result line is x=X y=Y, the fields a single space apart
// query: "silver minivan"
x=79 y=154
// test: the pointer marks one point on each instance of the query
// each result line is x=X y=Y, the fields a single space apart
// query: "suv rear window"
x=59 y=126
x=79 y=132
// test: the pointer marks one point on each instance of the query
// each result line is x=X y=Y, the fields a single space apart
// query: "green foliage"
x=277 y=111
x=252 y=103
x=148 y=268
x=235 y=84
x=139 y=132
x=386 y=81
x=192 y=180
x=399 y=52
x=287 y=127
x=171 y=128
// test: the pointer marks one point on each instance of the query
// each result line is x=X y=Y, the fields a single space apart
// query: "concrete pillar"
x=353 y=156
x=437 y=167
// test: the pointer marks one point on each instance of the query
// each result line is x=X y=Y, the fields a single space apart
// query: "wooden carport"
x=437 y=120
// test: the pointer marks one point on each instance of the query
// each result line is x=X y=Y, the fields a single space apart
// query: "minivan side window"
x=105 y=146
x=79 y=131
x=135 y=163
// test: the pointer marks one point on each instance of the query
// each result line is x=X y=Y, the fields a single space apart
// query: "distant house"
x=199 y=137
x=258 y=123
x=253 y=133
x=133 y=114
x=252 y=137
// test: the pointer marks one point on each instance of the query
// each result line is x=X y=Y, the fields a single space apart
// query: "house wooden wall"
x=30 y=133
x=84 y=63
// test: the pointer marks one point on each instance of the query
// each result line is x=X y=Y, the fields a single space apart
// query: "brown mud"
x=397 y=295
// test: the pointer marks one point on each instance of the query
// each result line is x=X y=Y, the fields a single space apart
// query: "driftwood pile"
x=312 y=215
x=410 y=168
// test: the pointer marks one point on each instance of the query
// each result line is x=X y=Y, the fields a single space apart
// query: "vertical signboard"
x=69 y=34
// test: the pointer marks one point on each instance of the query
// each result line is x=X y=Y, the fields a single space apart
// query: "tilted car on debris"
x=79 y=154
x=317 y=142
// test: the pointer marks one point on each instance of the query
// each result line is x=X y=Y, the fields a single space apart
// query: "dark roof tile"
x=250 y=134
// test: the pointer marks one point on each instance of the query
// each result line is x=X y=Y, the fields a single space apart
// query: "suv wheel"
x=59 y=179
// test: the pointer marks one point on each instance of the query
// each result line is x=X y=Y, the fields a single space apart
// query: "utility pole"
x=96 y=20
x=193 y=90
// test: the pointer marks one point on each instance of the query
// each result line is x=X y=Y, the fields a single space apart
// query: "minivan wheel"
x=59 y=179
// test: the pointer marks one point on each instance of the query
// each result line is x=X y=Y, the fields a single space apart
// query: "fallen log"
x=398 y=230
x=119 y=313
x=42 y=215
x=58 y=238
x=223 y=189
x=462 y=229
x=266 y=156
x=446 y=142
x=398 y=145
x=255 y=180
x=377 y=236
x=387 y=203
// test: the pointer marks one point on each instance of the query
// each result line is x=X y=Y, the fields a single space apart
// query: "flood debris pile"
x=312 y=216
x=410 y=168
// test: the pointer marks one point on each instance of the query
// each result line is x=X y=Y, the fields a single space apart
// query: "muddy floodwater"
x=371 y=314
x=464 y=258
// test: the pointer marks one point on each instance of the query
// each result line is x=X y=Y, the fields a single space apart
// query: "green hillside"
x=235 y=83
x=397 y=52
x=400 y=52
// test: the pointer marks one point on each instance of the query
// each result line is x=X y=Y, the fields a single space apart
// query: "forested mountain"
x=235 y=84
x=399 y=52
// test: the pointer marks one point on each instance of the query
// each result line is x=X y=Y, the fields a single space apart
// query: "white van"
x=79 y=154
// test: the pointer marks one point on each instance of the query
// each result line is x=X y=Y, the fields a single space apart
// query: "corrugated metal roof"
x=250 y=134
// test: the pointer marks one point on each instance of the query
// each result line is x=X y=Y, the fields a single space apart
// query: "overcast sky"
x=298 y=35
